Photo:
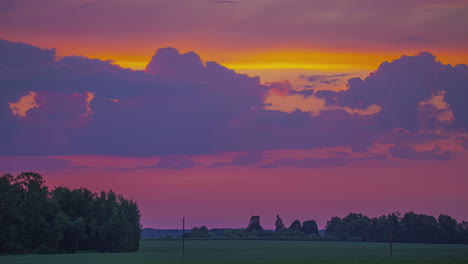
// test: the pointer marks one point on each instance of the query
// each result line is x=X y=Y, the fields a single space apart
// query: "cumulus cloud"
x=20 y=55
x=455 y=81
x=180 y=106
x=399 y=87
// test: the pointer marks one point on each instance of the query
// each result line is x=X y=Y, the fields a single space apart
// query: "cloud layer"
x=181 y=105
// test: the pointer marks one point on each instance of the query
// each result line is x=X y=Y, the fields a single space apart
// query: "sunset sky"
x=218 y=110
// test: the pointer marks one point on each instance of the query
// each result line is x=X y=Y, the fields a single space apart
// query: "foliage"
x=254 y=224
x=279 y=225
x=295 y=227
x=36 y=220
x=310 y=227
x=199 y=232
x=412 y=227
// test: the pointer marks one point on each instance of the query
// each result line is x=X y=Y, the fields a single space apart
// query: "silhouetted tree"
x=447 y=229
x=334 y=227
x=351 y=227
x=310 y=227
x=279 y=225
x=418 y=228
x=35 y=220
x=295 y=226
x=254 y=224
x=199 y=232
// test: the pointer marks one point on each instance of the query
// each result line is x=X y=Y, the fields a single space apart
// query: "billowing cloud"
x=181 y=106
x=455 y=81
x=20 y=55
x=400 y=87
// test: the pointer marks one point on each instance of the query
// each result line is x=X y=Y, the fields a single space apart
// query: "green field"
x=232 y=251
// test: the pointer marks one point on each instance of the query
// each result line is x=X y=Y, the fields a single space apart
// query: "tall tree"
x=279 y=225
x=447 y=229
x=295 y=227
x=310 y=227
x=334 y=227
x=254 y=224
x=419 y=228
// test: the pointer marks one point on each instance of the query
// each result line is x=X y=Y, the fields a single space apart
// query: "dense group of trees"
x=199 y=232
x=411 y=227
x=254 y=229
x=34 y=219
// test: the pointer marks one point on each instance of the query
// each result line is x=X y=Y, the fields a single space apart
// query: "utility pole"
x=183 y=237
x=391 y=242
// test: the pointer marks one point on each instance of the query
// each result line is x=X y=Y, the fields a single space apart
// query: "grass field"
x=260 y=252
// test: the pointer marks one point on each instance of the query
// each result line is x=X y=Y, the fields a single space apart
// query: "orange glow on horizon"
x=136 y=56
x=301 y=60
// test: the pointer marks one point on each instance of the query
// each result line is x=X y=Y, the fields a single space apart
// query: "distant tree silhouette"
x=447 y=229
x=412 y=227
x=199 y=232
x=418 y=228
x=279 y=225
x=254 y=224
x=309 y=227
x=295 y=226
x=351 y=227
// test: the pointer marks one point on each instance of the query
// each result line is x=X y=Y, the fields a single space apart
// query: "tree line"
x=409 y=228
x=34 y=219
x=254 y=229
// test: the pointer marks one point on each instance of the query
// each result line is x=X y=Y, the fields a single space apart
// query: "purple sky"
x=312 y=109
